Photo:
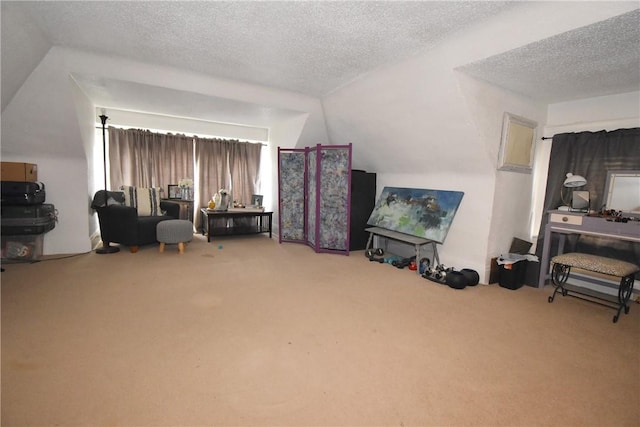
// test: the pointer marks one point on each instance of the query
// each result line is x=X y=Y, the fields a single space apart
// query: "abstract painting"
x=415 y=211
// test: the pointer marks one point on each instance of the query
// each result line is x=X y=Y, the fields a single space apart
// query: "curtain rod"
x=196 y=136
x=546 y=137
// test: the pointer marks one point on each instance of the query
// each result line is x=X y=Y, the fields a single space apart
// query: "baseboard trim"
x=95 y=240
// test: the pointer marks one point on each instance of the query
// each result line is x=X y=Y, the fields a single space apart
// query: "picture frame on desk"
x=174 y=191
x=256 y=200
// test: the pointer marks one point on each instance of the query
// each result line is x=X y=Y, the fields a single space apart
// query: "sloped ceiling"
x=601 y=59
x=309 y=47
x=176 y=103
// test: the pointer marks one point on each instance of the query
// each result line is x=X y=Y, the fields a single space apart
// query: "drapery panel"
x=213 y=170
x=244 y=167
x=591 y=155
x=146 y=159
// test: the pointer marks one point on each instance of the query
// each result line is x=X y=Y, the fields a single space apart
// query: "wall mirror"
x=622 y=191
x=517 y=144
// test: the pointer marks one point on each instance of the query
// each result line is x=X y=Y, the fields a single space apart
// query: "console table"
x=564 y=223
x=226 y=223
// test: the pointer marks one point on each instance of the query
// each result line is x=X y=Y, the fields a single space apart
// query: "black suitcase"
x=24 y=220
x=22 y=193
x=28 y=211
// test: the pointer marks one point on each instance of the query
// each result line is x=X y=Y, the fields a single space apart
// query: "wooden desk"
x=226 y=223
x=186 y=208
x=564 y=223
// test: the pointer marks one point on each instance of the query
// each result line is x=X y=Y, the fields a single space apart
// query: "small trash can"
x=512 y=271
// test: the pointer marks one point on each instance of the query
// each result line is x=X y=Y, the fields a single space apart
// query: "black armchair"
x=121 y=224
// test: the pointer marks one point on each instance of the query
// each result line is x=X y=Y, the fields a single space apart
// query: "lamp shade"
x=574 y=181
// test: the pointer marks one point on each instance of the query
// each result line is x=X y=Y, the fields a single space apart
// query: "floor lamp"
x=106 y=248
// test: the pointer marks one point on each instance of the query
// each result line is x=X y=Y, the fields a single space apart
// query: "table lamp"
x=571 y=181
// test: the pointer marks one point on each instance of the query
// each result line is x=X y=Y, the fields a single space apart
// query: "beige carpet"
x=266 y=334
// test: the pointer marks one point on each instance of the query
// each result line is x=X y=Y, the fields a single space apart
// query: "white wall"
x=23 y=47
x=283 y=134
x=511 y=211
x=188 y=126
x=442 y=137
x=420 y=123
x=92 y=148
x=608 y=113
x=50 y=122
x=594 y=114
x=41 y=125
x=184 y=125
x=417 y=125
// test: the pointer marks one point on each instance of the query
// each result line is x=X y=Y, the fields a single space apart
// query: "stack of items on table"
x=24 y=216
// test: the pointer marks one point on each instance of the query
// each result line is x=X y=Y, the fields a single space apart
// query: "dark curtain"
x=590 y=154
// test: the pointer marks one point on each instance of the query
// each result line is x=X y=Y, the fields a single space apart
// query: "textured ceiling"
x=600 y=59
x=307 y=47
x=315 y=47
x=176 y=103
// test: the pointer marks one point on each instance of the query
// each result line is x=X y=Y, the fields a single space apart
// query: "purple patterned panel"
x=311 y=197
x=291 y=181
x=334 y=198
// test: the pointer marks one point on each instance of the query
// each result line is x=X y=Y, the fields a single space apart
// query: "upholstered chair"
x=132 y=226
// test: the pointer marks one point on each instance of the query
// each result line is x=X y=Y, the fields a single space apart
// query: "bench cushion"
x=599 y=264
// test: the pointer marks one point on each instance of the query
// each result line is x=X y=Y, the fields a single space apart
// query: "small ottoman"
x=172 y=231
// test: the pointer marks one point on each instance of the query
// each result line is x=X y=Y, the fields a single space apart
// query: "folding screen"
x=311 y=194
x=321 y=216
x=291 y=195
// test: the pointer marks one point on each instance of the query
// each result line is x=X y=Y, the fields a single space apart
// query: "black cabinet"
x=363 y=200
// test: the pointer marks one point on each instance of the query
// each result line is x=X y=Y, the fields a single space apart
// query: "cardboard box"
x=22 y=172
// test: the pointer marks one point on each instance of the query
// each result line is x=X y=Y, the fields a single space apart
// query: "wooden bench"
x=561 y=269
x=417 y=242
